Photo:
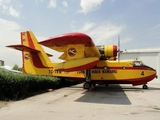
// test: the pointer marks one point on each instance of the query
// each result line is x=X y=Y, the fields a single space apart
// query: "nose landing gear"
x=145 y=86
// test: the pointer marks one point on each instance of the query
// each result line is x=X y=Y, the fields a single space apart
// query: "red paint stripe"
x=144 y=80
x=119 y=68
x=126 y=68
x=134 y=81
x=35 y=57
x=37 y=61
x=24 y=71
x=21 y=38
x=83 y=67
x=147 y=78
x=31 y=44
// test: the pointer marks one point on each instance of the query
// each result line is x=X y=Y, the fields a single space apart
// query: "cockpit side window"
x=137 y=63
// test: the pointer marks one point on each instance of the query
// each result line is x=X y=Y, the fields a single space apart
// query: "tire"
x=145 y=86
x=86 y=85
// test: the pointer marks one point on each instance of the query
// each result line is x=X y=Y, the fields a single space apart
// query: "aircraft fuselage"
x=121 y=72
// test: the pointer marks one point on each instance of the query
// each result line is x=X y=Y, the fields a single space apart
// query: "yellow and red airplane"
x=82 y=61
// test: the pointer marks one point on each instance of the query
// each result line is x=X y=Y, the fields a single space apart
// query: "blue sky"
x=136 y=21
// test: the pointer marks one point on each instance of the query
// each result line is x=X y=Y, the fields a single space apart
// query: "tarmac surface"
x=117 y=102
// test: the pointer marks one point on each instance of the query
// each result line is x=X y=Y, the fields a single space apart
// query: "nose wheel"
x=145 y=86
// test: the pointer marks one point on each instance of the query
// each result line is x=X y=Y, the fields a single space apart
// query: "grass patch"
x=65 y=95
x=156 y=108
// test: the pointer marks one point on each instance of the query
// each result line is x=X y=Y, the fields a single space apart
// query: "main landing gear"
x=88 y=84
x=145 y=86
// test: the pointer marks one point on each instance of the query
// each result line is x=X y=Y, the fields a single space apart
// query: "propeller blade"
x=119 y=51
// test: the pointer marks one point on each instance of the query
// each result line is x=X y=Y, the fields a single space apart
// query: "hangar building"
x=150 y=57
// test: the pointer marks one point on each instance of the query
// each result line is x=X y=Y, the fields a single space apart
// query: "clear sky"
x=136 y=21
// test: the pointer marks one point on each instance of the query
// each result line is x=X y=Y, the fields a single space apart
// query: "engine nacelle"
x=107 y=51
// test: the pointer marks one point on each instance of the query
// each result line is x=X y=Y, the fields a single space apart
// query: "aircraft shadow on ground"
x=113 y=94
x=153 y=88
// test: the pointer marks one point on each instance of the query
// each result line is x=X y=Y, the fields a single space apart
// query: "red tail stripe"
x=82 y=67
x=37 y=61
x=31 y=44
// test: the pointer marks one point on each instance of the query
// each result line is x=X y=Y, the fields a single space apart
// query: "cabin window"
x=123 y=67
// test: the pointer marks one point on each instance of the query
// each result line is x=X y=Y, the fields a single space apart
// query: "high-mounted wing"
x=78 y=48
x=74 y=45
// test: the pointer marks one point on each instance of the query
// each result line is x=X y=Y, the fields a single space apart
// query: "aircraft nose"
x=155 y=72
x=150 y=68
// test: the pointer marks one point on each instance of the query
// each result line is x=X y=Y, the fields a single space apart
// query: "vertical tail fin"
x=35 y=59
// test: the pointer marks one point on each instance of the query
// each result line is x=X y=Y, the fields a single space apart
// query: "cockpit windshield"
x=137 y=63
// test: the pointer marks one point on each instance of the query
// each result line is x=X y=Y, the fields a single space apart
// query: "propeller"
x=119 y=51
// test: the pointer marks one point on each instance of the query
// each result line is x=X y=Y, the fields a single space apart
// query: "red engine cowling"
x=108 y=51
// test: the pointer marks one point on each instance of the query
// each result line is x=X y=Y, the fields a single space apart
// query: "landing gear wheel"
x=145 y=86
x=86 y=85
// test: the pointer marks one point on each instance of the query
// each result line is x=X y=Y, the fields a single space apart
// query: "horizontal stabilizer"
x=23 y=48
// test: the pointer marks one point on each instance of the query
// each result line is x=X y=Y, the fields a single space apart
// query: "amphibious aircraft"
x=82 y=60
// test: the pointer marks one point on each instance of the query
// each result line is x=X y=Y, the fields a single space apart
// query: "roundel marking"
x=72 y=51
x=26 y=56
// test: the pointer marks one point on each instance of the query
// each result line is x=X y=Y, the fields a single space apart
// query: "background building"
x=1 y=63
x=150 y=57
